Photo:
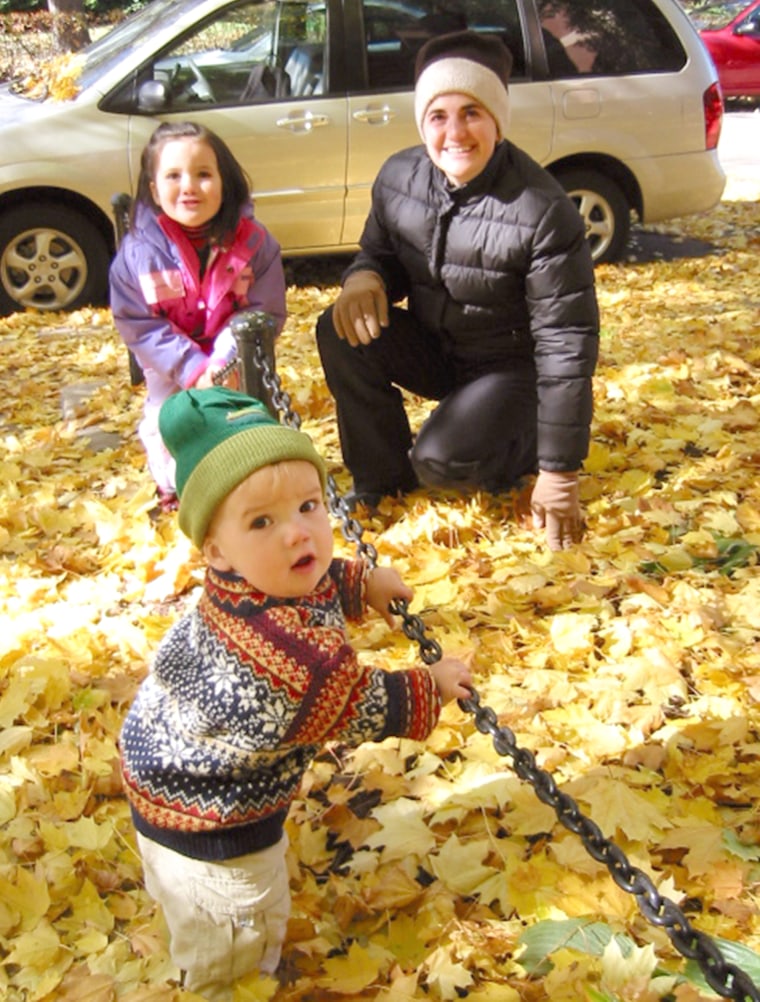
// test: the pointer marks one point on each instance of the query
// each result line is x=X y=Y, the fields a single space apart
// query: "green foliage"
x=21 y=6
x=751 y=853
x=733 y=953
x=731 y=555
x=592 y=938
x=99 y=8
x=93 y=8
x=545 y=938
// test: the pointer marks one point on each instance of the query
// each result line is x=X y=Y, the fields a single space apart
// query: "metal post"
x=122 y=205
x=253 y=329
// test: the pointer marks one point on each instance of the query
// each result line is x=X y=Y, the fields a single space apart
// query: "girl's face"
x=187 y=185
x=273 y=530
x=460 y=136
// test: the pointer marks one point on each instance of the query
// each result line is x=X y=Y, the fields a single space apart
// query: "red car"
x=731 y=33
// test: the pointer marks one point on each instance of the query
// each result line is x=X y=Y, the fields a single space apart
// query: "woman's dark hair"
x=236 y=185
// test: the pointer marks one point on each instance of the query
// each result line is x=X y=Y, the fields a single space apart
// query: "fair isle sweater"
x=243 y=691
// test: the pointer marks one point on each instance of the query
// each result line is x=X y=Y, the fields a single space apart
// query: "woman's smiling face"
x=460 y=136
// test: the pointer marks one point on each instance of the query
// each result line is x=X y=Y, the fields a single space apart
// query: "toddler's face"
x=187 y=185
x=273 y=530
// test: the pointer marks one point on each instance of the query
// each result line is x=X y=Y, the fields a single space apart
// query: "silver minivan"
x=618 y=99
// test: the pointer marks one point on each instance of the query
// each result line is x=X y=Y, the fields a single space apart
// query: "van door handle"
x=302 y=121
x=375 y=116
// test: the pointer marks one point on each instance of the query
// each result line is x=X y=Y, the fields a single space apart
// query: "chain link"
x=725 y=978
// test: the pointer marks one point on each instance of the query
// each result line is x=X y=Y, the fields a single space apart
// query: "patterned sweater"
x=244 y=690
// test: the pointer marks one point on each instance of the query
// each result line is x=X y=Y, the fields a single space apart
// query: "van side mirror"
x=152 y=97
x=749 y=28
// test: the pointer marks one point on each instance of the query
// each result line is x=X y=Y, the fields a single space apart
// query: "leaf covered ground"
x=629 y=666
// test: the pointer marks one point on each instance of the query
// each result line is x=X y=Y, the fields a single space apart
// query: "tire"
x=51 y=258
x=604 y=209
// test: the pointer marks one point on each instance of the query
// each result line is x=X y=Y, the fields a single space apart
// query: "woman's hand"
x=556 y=508
x=361 y=309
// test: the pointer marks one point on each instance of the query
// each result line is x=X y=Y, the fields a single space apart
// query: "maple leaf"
x=494 y=992
x=448 y=976
x=255 y=988
x=79 y=985
x=616 y=807
x=391 y=887
x=628 y=972
x=704 y=845
x=356 y=831
x=26 y=901
x=403 y=988
x=402 y=939
x=356 y=971
x=403 y=831
x=88 y=910
x=36 y=949
x=459 y=866
x=477 y=785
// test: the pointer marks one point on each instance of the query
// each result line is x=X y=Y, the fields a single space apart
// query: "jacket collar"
x=480 y=184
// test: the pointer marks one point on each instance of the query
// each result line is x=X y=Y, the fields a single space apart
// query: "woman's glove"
x=361 y=309
x=556 y=508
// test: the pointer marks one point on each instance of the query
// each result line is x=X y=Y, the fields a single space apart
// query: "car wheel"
x=51 y=258
x=605 y=212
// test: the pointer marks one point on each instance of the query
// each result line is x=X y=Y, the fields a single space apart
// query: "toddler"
x=248 y=686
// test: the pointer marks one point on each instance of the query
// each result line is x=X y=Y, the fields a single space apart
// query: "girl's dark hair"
x=236 y=185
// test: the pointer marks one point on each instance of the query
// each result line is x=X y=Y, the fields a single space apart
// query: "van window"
x=249 y=53
x=608 y=38
x=395 y=31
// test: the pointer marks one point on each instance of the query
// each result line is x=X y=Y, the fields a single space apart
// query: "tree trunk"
x=69 y=24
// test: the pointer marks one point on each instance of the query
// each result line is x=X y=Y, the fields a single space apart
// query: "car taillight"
x=712 y=100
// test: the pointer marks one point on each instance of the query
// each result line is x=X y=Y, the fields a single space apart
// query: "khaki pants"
x=226 y=918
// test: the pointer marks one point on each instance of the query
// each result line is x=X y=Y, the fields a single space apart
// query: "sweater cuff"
x=195 y=374
x=351 y=577
x=414 y=703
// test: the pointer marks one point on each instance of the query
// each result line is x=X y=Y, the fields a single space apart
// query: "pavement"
x=739 y=153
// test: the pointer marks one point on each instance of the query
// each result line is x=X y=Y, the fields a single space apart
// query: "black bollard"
x=254 y=333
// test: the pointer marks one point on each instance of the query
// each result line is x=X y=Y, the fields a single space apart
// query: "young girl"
x=194 y=255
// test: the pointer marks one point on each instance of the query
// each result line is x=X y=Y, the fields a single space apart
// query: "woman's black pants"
x=482 y=433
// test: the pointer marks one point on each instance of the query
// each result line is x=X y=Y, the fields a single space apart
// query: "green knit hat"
x=218 y=437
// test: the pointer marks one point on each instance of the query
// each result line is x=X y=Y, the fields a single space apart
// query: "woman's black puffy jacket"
x=501 y=269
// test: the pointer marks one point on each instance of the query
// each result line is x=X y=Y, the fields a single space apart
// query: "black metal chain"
x=725 y=978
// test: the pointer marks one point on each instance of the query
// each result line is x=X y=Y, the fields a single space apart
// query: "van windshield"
x=137 y=29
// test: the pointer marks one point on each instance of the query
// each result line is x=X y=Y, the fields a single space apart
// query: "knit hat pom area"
x=464 y=62
x=219 y=437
